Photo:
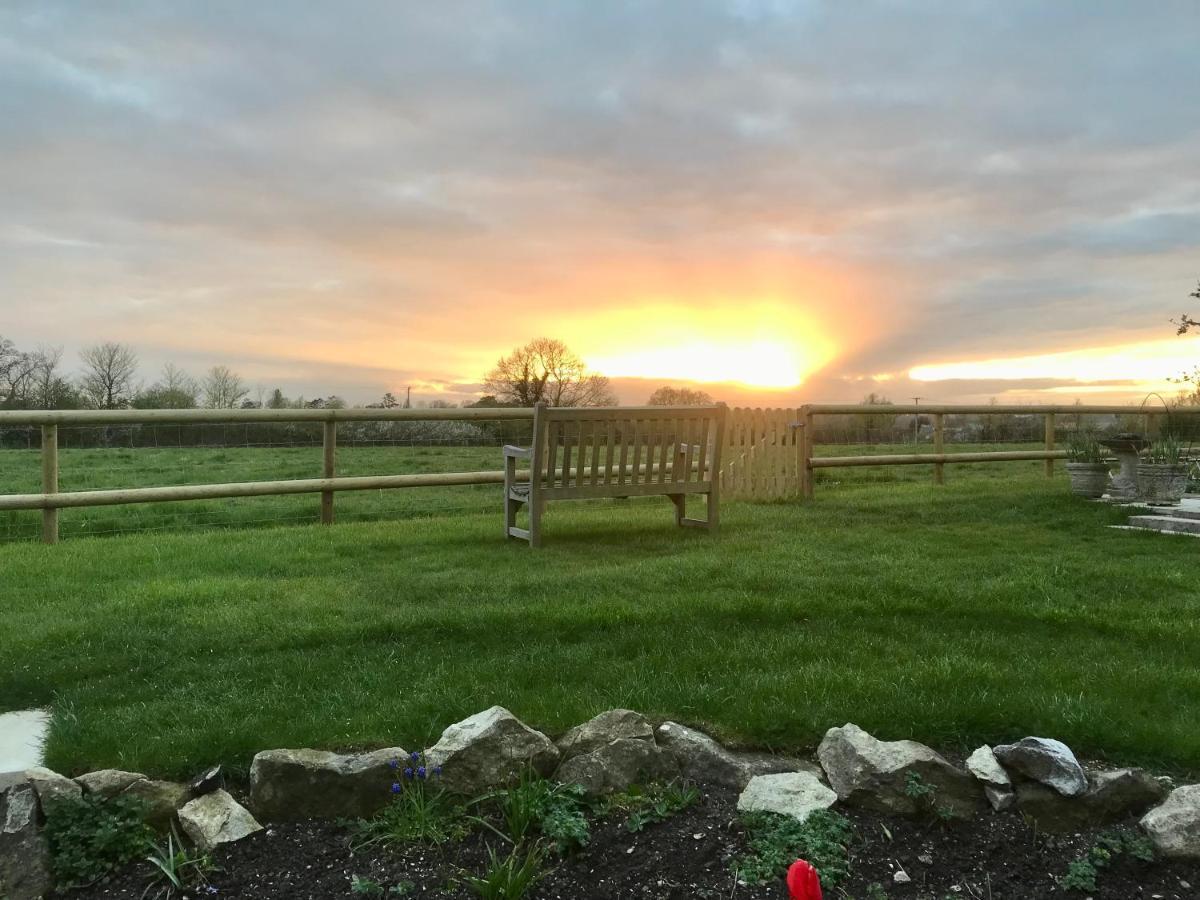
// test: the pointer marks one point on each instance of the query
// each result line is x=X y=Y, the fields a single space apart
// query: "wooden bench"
x=580 y=453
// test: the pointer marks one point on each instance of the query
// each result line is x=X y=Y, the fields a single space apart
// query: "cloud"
x=989 y=179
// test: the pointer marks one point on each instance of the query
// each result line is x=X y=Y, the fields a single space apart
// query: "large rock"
x=215 y=819
x=51 y=787
x=1110 y=797
x=108 y=783
x=160 y=800
x=614 y=725
x=614 y=766
x=701 y=759
x=1045 y=761
x=1174 y=825
x=24 y=856
x=314 y=784
x=488 y=750
x=878 y=775
x=795 y=794
x=997 y=786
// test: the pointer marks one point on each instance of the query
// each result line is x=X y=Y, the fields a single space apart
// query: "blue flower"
x=394 y=764
x=437 y=771
x=408 y=773
x=395 y=787
x=415 y=756
x=420 y=771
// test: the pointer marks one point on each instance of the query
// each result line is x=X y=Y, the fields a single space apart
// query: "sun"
x=759 y=345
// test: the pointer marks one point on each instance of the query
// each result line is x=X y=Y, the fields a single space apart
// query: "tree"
x=277 y=400
x=546 y=371
x=16 y=371
x=1185 y=322
x=223 y=388
x=109 y=370
x=673 y=396
x=176 y=389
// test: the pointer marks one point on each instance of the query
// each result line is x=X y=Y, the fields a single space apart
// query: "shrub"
x=776 y=841
x=90 y=838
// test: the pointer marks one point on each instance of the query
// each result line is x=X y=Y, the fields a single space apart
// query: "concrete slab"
x=22 y=735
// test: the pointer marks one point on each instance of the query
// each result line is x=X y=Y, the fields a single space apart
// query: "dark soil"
x=995 y=857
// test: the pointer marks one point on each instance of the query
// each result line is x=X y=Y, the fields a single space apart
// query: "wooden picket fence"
x=763 y=456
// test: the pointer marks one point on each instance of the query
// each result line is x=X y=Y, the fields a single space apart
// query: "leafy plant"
x=563 y=819
x=1083 y=873
x=420 y=809
x=509 y=878
x=89 y=837
x=659 y=803
x=875 y=891
x=776 y=841
x=924 y=795
x=557 y=810
x=1166 y=451
x=1085 y=447
x=177 y=864
x=365 y=887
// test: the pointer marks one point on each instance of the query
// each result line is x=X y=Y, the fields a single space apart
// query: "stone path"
x=21 y=737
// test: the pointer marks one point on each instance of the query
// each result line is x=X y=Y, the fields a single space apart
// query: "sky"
x=782 y=201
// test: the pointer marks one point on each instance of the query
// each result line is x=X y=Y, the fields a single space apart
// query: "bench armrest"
x=517 y=452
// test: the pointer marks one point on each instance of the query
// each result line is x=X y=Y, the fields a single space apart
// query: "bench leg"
x=535 y=523
x=709 y=523
x=680 y=501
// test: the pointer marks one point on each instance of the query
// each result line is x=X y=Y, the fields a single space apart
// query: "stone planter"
x=1162 y=484
x=1088 y=479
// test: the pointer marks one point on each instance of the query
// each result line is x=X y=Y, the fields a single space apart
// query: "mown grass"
x=994 y=607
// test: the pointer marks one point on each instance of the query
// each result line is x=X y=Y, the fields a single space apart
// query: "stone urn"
x=1162 y=484
x=1088 y=479
x=1126 y=448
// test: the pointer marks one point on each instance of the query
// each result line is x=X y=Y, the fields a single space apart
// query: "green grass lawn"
x=994 y=607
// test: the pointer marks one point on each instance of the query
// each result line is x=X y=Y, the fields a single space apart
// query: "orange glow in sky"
x=1151 y=363
x=763 y=344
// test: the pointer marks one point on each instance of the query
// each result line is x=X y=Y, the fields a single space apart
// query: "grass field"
x=994 y=607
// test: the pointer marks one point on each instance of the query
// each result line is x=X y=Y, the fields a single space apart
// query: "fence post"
x=328 y=469
x=49 y=482
x=939 y=447
x=809 y=443
x=1049 y=429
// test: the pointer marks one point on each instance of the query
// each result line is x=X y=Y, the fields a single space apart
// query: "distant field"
x=98 y=469
x=994 y=607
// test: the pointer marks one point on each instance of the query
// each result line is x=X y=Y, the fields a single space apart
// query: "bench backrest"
x=626 y=451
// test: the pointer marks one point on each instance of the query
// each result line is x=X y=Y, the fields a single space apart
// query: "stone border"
x=1038 y=777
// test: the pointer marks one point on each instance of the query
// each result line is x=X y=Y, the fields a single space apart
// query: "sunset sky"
x=787 y=200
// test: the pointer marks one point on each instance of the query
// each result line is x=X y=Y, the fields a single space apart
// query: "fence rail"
x=768 y=453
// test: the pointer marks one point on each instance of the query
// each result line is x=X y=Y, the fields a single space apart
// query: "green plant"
x=90 y=837
x=776 y=841
x=924 y=796
x=177 y=864
x=1085 y=447
x=509 y=878
x=1166 y=451
x=557 y=810
x=658 y=803
x=875 y=891
x=1083 y=873
x=365 y=887
x=563 y=819
x=419 y=811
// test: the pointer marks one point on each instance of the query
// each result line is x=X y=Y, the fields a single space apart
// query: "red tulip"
x=802 y=881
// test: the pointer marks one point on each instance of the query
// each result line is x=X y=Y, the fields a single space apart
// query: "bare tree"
x=223 y=388
x=175 y=389
x=545 y=370
x=16 y=371
x=108 y=375
x=673 y=396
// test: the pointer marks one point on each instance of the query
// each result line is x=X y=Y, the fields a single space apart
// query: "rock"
x=1046 y=761
x=51 y=787
x=614 y=725
x=1110 y=797
x=24 y=856
x=997 y=786
x=701 y=759
x=876 y=775
x=214 y=819
x=795 y=794
x=207 y=781
x=1174 y=825
x=161 y=800
x=488 y=750
x=107 y=783
x=901 y=877
x=287 y=785
x=614 y=766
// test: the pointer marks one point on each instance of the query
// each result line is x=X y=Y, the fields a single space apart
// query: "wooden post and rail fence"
x=767 y=453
